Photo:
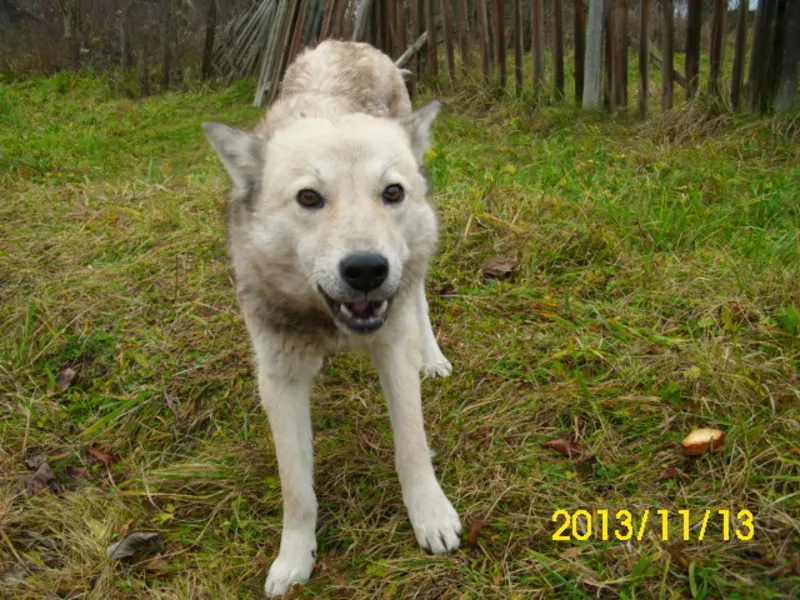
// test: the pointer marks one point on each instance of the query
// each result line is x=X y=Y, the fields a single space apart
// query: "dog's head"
x=334 y=212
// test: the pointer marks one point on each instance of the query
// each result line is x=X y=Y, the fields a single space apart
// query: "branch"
x=412 y=50
x=658 y=62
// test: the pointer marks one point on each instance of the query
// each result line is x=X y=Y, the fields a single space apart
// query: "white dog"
x=331 y=233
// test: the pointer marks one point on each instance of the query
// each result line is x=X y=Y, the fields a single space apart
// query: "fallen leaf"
x=127 y=527
x=499 y=268
x=498 y=578
x=39 y=481
x=104 y=456
x=156 y=564
x=134 y=544
x=77 y=472
x=65 y=378
x=446 y=289
x=473 y=533
x=672 y=473
x=51 y=559
x=570 y=553
x=703 y=440
x=565 y=447
x=13 y=571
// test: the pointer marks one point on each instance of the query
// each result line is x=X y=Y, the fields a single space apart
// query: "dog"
x=331 y=233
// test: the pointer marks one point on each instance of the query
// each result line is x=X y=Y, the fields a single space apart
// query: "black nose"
x=364 y=271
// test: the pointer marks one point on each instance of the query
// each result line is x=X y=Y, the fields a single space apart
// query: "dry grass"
x=656 y=292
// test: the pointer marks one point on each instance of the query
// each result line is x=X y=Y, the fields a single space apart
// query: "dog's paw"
x=434 y=364
x=285 y=572
x=435 y=522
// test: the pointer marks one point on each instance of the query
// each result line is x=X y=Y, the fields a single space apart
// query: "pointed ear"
x=418 y=127
x=240 y=152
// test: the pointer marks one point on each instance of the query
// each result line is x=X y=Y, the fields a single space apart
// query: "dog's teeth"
x=382 y=308
x=346 y=311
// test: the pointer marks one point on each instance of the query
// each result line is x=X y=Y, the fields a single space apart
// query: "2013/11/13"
x=624 y=519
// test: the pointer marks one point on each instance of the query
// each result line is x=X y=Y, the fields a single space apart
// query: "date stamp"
x=622 y=525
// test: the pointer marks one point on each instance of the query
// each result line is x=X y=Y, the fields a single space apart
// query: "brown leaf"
x=570 y=553
x=65 y=378
x=565 y=447
x=104 y=456
x=672 y=473
x=39 y=481
x=473 y=533
x=446 y=289
x=498 y=578
x=77 y=472
x=127 y=527
x=499 y=268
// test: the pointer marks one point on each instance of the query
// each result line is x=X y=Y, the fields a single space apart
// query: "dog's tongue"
x=361 y=306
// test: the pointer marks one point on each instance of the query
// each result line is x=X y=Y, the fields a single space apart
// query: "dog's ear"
x=418 y=127
x=240 y=152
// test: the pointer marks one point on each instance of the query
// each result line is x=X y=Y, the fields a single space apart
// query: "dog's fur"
x=343 y=127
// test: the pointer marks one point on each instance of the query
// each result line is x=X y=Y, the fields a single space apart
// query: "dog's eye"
x=309 y=199
x=394 y=193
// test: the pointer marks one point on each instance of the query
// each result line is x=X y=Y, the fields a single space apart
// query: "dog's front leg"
x=435 y=521
x=434 y=363
x=287 y=404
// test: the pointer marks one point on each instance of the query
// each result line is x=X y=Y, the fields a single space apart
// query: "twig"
x=658 y=62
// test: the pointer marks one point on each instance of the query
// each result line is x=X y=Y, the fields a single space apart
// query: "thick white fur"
x=343 y=126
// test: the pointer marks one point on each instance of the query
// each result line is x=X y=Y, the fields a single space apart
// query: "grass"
x=657 y=291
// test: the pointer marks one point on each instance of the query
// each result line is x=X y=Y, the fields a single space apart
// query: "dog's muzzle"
x=364 y=273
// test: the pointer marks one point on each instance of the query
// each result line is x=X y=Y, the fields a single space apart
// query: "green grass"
x=657 y=291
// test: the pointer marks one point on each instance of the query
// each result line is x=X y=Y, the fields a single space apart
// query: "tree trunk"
x=500 y=39
x=580 y=48
x=483 y=39
x=644 y=56
x=666 y=70
x=738 y=57
x=430 y=25
x=594 y=56
x=621 y=53
x=518 y=66
x=693 y=46
x=165 y=45
x=447 y=27
x=463 y=33
x=125 y=42
x=717 y=44
x=537 y=33
x=144 y=76
x=208 y=50
x=791 y=57
x=558 y=48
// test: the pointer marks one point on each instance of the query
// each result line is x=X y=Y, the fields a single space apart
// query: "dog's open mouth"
x=361 y=316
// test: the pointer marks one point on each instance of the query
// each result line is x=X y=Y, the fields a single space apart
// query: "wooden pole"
x=558 y=48
x=666 y=70
x=447 y=25
x=500 y=40
x=644 y=56
x=518 y=66
x=717 y=45
x=537 y=34
x=738 y=55
x=580 y=48
x=483 y=39
x=694 y=25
